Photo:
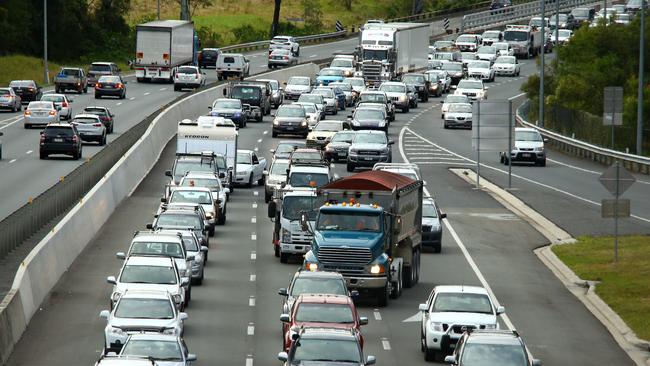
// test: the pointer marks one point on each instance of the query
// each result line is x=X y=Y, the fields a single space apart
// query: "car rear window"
x=53 y=98
x=85 y=120
x=187 y=70
x=22 y=84
x=109 y=79
x=210 y=52
x=58 y=131
x=229 y=60
x=4 y=92
x=102 y=68
x=69 y=72
x=97 y=111
x=40 y=105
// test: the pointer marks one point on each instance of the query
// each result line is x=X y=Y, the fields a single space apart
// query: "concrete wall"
x=45 y=264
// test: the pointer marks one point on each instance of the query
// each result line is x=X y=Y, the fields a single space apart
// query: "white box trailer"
x=162 y=45
x=389 y=50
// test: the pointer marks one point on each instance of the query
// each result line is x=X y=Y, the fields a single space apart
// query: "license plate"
x=58 y=140
x=109 y=86
x=290 y=128
x=526 y=155
x=368 y=159
x=341 y=154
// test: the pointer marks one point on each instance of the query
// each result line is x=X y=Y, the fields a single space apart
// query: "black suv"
x=28 y=90
x=208 y=57
x=60 y=138
x=325 y=346
x=420 y=83
x=255 y=93
x=491 y=347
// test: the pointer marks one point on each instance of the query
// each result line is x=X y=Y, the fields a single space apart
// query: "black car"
x=208 y=57
x=500 y=6
x=111 y=85
x=28 y=90
x=420 y=83
x=491 y=347
x=232 y=109
x=290 y=119
x=365 y=118
x=104 y=114
x=265 y=101
x=455 y=71
x=325 y=346
x=60 y=138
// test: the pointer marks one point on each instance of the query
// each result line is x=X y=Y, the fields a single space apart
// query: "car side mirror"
x=391 y=142
x=150 y=226
x=371 y=360
x=168 y=173
x=350 y=116
x=226 y=190
x=536 y=362
x=222 y=175
x=283 y=292
x=354 y=293
x=111 y=280
x=163 y=200
x=363 y=320
x=423 y=307
x=185 y=281
x=283 y=356
x=204 y=248
x=224 y=92
x=183 y=316
x=546 y=140
x=265 y=172
x=104 y=314
x=70 y=100
x=1 y=134
x=442 y=101
x=501 y=310
x=285 y=318
x=451 y=359
x=443 y=215
x=272 y=209
x=120 y=255
x=191 y=357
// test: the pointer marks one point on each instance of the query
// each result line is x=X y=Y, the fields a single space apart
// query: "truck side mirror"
x=272 y=209
x=304 y=222
x=224 y=92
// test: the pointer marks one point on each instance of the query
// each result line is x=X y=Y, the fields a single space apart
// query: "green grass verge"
x=624 y=286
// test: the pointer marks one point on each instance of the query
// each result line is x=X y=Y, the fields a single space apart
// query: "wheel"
x=211 y=231
x=349 y=167
x=336 y=111
x=222 y=218
x=102 y=142
x=14 y=109
x=445 y=126
x=43 y=155
x=274 y=134
x=429 y=354
x=86 y=89
x=111 y=129
x=123 y=96
x=57 y=90
x=397 y=291
x=541 y=162
x=199 y=281
x=259 y=118
x=250 y=181
x=437 y=248
x=284 y=257
x=76 y=155
x=176 y=88
x=407 y=276
x=96 y=96
x=260 y=182
x=405 y=110
x=276 y=250
x=501 y=159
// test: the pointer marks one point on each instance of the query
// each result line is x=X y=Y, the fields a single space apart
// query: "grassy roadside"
x=625 y=286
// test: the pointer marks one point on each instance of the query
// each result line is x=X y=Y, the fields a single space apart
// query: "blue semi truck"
x=368 y=228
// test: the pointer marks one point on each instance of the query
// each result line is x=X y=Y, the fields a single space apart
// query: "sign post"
x=613 y=108
x=492 y=130
x=616 y=180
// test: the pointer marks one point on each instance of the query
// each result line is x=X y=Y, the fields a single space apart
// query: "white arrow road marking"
x=417 y=317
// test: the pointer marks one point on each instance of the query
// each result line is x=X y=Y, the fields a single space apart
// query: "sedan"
x=473 y=89
x=60 y=138
x=105 y=116
x=369 y=119
x=28 y=90
x=168 y=350
x=281 y=57
x=451 y=99
x=90 y=128
x=188 y=77
x=332 y=103
x=350 y=94
x=110 y=86
x=432 y=225
x=323 y=132
x=504 y=49
x=284 y=149
x=439 y=82
x=40 y=113
x=459 y=115
x=338 y=146
x=481 y=70
x=488 y=53
x=10 y=100
x=327 y=75
x=62 y=101
x=290 y=119
x=369 y=148
x=506 y=65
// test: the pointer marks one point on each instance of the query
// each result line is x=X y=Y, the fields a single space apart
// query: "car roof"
x=525 y=129
x=54 y=95
x=319 y=333
x=309 y=169
x=306 y=149
x=199 y=189
x=195 y=174
x=157 y=236
x=461 y=289
x=59 y=125
x=95 y=107
x=149 y=261
x=154 y=337
x=144 y=294
x=505 y=337
x=102 y=63
x=319 y=274
x=244 y=151
x=86 y=115
x=323 y=299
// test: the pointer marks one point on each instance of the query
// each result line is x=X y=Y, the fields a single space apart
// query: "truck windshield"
x=245 y=92
x=349 y=221
x=516 y=36
x=293 y=205
x=308 y=180
x=377 y=55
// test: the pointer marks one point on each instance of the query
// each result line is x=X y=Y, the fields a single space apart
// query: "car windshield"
x=470 y=84
x=342 y=86
x=309 y=108
x=452 y=66
x=187 y=70
x=22 y=84
x=560 y=18
x=144 y=308
x=373 y=98
x=184 y=166
x=355 y=82
x=368 y=114
x=156 y=349
x=227 y=104
x=85 y=120
x=324 y=313
x=327 y=93
x=279 y=168
x=462 y=302
x=58 y=131
x=505 y=60
x=303 y=179
x=284 y=148
x=485 y=354
x=456 y=99
x=96 y=111
x=5 y=92
x=393 y=88
x=190 y=244
x=211 y=183
x=528 y=136
x=245 y=92
x=537 y=22
x=293 y=206
x=501 y=46
x=332 y=286
x=429 y=210
x=491 y=34
x=567 y=33
x=442 y=44
x=330 y=72
x=290 y=112
x=298 y=81
x=466 y=39
x=69 y=72
x=376 y=55
x=370 y=138
x=413 y=79
x=349 y=221
x=109 y=79
x=244 y=158
x=52 y=98
x=331 y=350
x=40 y=105
x=460 y=108
x=341 y=63
x=515 y=36
x=328 y=126
x=200 y=197
x=479 y=64
x=178 y=220
x=165 y=249
x=311 y=98
x=343 y=137
x=148 y=274
x=487 y=50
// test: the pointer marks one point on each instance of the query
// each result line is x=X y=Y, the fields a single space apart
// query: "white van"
x=232 y=64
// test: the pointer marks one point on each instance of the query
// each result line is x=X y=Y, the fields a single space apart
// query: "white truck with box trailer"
x=387 y=51
x=161 y=46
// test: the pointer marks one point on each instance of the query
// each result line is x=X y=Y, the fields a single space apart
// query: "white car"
x=474 y=89
x=408 y=170
x=149 y=273
x=452 y=99
x=504 y=49
x=468 y=42
x=188 y=77
x=563 y=35
x=316 y=99
x=196 y=196
x=285 y=42
x=489 y=37
x=313 y=113
x=450 y=310
x=296 y=86
x=139 y=311
x=60 y=100
x=344 y=63
x=459 y=115
x=529 y=147
x=487 y=53
x=506 y=65
x=250 y=168
x=211 y=181
x=397 y=93
x=480 y=69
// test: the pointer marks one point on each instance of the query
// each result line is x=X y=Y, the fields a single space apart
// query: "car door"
x=257 y=171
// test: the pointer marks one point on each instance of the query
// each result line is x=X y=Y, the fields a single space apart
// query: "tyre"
x=437 y=248
x=43 y=155
x=222 y=219
x=250 y=181
x=429 y=354
x=407 y=276
x=276 y=250
x=284 y=257
x=259 y=118
x=541 y=163
x=86 y=89
x=397 y=290
x=349 y=167
x=176 y=88
x=76 y=155
x=274 y=134
x=139 y=80
x=96 y=96
x=14 y=109
x=260 y=182
x=57 y=90
x=382 y=297
x=102 y=142
x=405 y=110
x=211 y=231
x=199 y=281
x=111 y=129
x=336 y=111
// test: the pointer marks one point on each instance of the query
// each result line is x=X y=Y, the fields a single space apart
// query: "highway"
x=234 y=316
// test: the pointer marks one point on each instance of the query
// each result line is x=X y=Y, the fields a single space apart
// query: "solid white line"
x=10 y=118
x=417 y=158
x=586 y=170
x=251 y=301
x=312 y=56
x=118 y=103
x=250 y=329
x=29 y=152
x=265 y=132
x=385 y=344
x=252 y=278
x=161 y=89
x=377 y=314
x=132 y=98
x=253 y=255
x=9 y=124
x=12 y=161
x=258 y=141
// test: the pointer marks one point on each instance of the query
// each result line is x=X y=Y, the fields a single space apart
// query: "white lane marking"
x=386 y=344
x=586 y=170
x=253 y=220
x=251 y=301
x=250 y=329
x=147 y=93
x=249 y=360
x=338 y=51
x=10 y=118
x=118 y=103
x=253 y=236
x=265 y=132
x=252 y=278
x=259 y=140
x=413 y=318
x=377 y=314
x=256 y=149
x=162 y=89
x=132 y=98
x=263 y=66
x=256 y=193
x=472 y=162
x=254 y=204
x=29 y=152
x=12 y=161
x=312 y=56
x=253 y=255
x=437 y=157
x=9 y=124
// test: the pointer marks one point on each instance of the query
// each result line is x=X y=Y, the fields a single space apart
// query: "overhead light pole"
x=541 y=71
x=639 y=105
x=46 y=73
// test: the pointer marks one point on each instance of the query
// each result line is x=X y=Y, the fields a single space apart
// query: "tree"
x=276 y=18
x=347 y=4
x=193 y=5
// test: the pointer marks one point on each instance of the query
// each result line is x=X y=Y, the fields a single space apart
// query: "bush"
x=247 y=33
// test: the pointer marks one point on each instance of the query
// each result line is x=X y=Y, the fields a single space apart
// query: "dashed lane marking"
x=118 y=103
x=12 y=161
x=253 y=255
x=253 y=236
x=252 y=278
x=312 y=56
x=250 y=330
x=251 y=301
x=254 y=204
x=29 y=152
x=253 y=220
x=385 y=344
x=162 y=89
x=132 y=98
x=249 y=360
x=147 y=93
x=377 y=314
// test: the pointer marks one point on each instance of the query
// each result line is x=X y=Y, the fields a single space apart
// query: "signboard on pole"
x=612 y=208
x=613 y=106
x=492 y=127
x=609 y=179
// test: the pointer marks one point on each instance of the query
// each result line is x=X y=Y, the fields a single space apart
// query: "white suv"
x=529 y=147
x=285 y=42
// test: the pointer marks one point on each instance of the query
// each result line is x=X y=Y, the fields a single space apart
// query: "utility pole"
x=639 y=105
x=46 y=76
x=185 y=14
x=557 y=24
x=158 y=9
x=541 y=72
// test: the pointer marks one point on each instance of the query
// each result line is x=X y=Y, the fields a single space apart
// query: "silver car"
x=194 y=248
x=167 y=350
x=139 y=311
x=277 y=94
x=281 y=57
x=211 y=181
x=275 y=176
x=313 y=113
x=40 y=114
x=10 y=100
x=90 y=128
x=60 y=100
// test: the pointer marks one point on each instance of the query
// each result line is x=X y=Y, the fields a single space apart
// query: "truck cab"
x=285 y=210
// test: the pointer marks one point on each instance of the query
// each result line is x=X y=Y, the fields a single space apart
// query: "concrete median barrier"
x=48 y=261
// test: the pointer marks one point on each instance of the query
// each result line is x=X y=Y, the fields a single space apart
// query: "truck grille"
x=346 y=256
x=394 y=98
x=301 y=238
x=368 y=152
x=371 y=70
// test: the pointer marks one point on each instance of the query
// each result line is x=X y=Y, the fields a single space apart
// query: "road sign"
x=615 y=208
x=613 y=106
x=491 y=125
x=445 y=23
x=608 y=179
x=339 y=26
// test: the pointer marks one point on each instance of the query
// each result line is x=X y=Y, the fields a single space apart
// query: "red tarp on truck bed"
x=375 y=180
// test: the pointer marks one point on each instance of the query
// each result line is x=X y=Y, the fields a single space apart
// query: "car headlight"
x=385 y=150
x=237 y=114
x=353 y=152
x=434 y=86
x=311 y=266
x=242 y=172
x=117 y=331
x=377 y=269
x=539 y=149
x=169 y=331
x=303 y=124
x=436 y=326
x=403 y=97
x=381 y=123
x=329 y=148
x=275 y=122
x=286 y=236
x=356 y=123
x=182 y=272
x=490 y=326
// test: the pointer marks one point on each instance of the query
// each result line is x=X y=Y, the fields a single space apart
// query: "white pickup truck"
x=250 y=168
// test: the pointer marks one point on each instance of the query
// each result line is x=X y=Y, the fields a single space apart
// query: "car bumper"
x=368 y=283
x=316 y=143
x=454 y=123
x=114 y=342
x=39 y=121
x=91 y=135
x=26 y=98
x=481 y=76
x=504 y=71
x=280 y=62
x=336 y=154
x=8 y=105
x=292 y=95
x=331 y=108
x=294 y=248
x=431 y=238
x=114 y=92
x=530 y=156
x=367 y=160
x=292 y=130
x=66 y=149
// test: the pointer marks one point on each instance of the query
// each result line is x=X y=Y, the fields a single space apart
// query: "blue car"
x=327 y=75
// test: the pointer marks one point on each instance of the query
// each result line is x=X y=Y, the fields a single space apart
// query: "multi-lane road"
x=234 y=316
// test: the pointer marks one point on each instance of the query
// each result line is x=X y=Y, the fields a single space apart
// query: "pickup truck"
x=250 y=168
x=71 y=78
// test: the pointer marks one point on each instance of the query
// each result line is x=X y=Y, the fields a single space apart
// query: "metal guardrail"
x=501 y=17
x=635 y=163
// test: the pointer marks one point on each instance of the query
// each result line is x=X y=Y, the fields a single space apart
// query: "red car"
x=322 y=311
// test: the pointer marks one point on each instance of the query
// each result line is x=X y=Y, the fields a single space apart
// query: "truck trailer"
x=161 y=46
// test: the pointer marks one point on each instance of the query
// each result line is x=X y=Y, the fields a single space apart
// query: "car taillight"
x=97 y=125
x=98 y=85
x=27 y=113
x=64 y=104
x=103 y=118
x=52 y=113
x=42 y=138
x=286 y=57
x=31 y=89
x=119 y=85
